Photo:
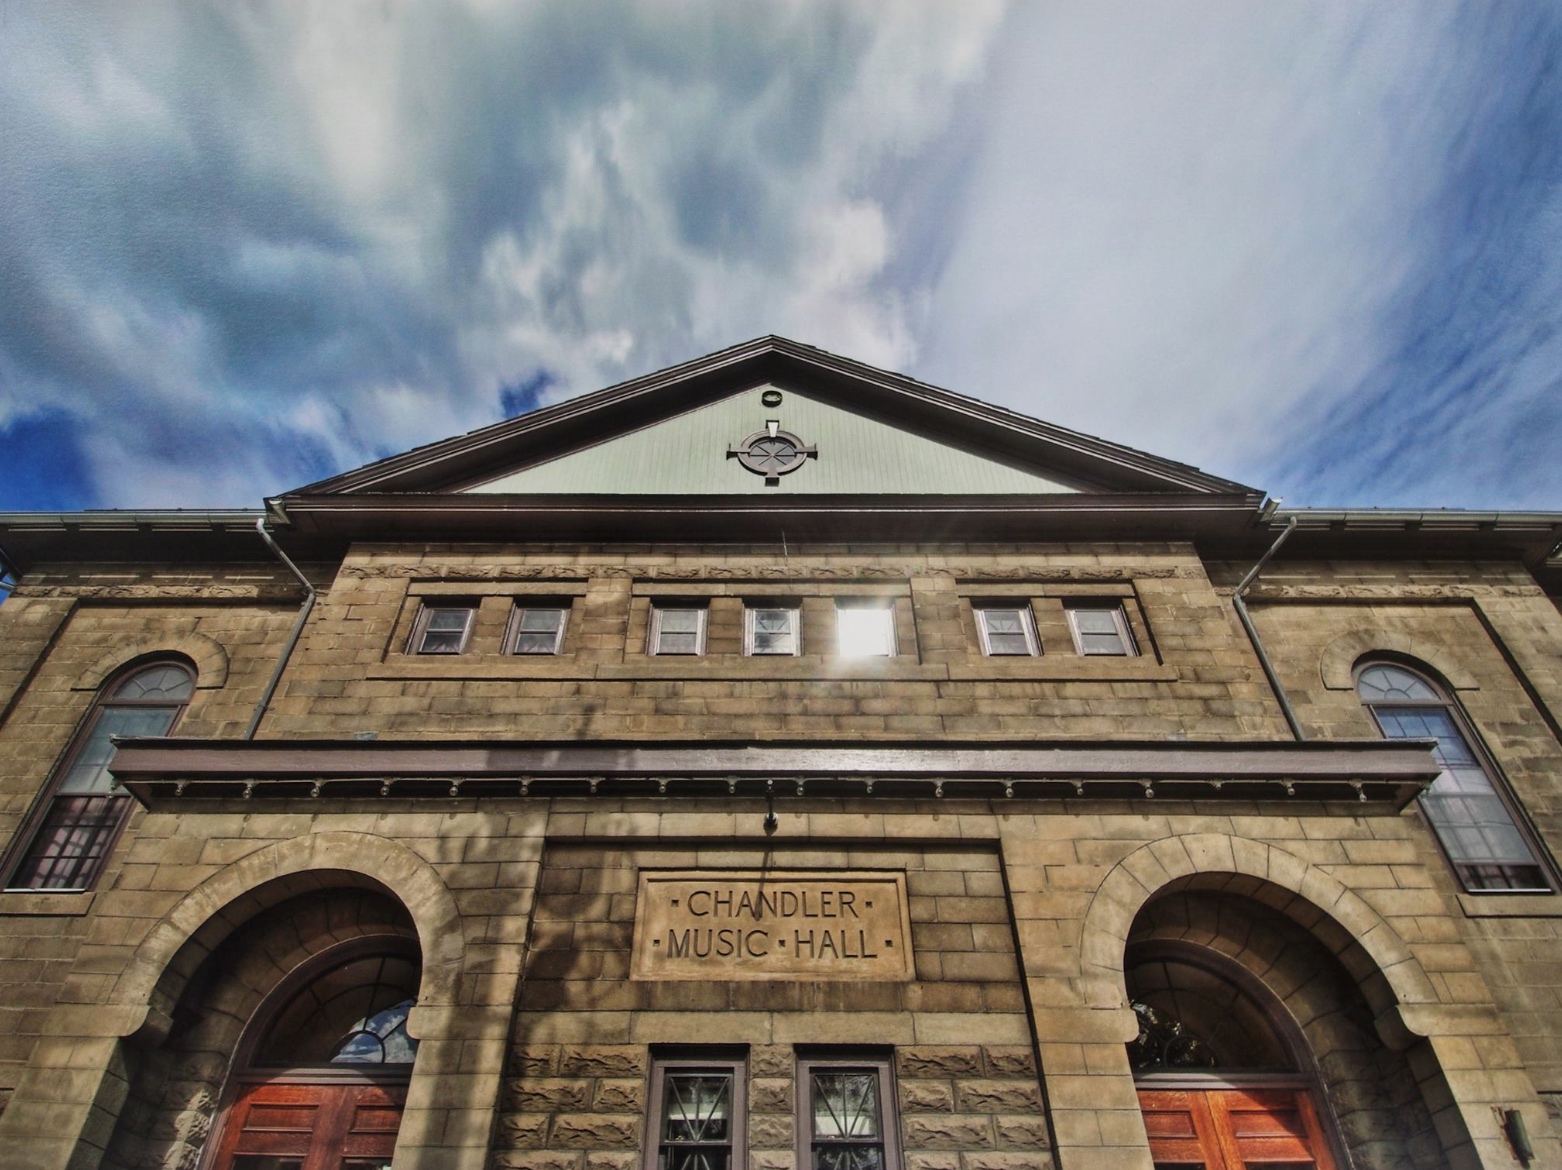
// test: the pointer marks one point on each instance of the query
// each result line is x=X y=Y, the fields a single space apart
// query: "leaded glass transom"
x=355 y=1013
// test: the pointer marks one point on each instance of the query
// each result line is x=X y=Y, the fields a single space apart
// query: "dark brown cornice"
x=168 y=771
x=747 y=519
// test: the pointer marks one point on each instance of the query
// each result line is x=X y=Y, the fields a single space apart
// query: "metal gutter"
x=292 y=638
x=1252 y=632
x=117 y=519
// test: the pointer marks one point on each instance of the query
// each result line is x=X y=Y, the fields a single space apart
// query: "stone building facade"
x=774 y=763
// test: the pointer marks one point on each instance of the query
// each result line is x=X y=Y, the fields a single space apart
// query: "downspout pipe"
x=8 y=569
x=1252 y=633
x=292 y=638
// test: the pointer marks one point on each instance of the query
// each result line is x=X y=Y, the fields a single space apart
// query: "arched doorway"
x=1222 y=1074
x=320 y=1083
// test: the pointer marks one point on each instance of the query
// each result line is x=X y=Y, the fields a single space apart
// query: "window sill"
x=1511 y=905
x=45 y=903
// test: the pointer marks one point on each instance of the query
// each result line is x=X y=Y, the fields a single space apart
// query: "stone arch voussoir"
x=155 y=977
x=205 y=653
x=1368 y=947
x=1337 y=662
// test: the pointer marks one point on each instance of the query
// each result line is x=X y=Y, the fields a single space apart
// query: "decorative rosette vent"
x=772 y=453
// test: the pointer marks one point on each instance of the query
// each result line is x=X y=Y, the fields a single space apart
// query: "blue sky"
x=1313 y=247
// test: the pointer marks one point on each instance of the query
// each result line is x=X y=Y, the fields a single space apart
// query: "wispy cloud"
x=305 y=236
x=1310 y=246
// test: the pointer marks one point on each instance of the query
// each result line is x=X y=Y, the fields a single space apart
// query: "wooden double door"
x=292 y=1126
x=1230 y=1128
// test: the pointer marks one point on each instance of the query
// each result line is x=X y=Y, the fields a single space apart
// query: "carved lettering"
x=754 y=925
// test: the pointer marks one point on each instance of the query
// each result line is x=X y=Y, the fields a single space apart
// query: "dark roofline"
x=1234 y=527
x=638 y=402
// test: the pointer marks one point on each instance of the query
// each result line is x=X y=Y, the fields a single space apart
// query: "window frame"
x=724 y=1059
x=877 y=1060
x=653 y=636
x=844 y=605
x=750 y=612
x=105 y=835
x=420 y=628
x=979 y=610
x=1125 y=633
x=1487 y=763
x=518 y=613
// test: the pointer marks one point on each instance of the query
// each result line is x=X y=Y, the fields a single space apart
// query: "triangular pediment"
x=834 y=428
x=703 y=451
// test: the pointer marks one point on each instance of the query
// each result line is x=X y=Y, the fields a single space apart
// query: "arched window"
x=1467 y=805
x=325 y=1081
x=74 y=827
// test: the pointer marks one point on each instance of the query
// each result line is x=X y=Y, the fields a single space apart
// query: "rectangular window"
x=1101 y=629
x=677 y=629
x=538 y=629
x=864 y=631
x=442 y=629
x=697 y=1112
x=1006 y=630
x=845 y=1114
x=771 y=630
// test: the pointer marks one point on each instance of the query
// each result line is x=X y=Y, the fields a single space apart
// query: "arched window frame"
x=93 y=821
x=1497 y=878
x=248 y=1066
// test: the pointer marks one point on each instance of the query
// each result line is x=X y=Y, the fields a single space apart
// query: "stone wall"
x=1195 y=678
x=1470 y=625
x=579 y=1103
x=61 y=634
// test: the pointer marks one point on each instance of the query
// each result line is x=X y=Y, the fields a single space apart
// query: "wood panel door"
x=282 y=1126
x=1234 y=1129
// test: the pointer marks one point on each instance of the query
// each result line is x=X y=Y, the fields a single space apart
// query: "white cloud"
x=342 y=228
x=1189 y=219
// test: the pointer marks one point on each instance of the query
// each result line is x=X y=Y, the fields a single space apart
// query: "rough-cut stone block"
x=533 y=1062
x=1023 y=1133
x=770 y=1095
x=777 y=1131
x=998 y=1096
x=594 y=1131
x=537 y=1160
x=623 y=1096
x=933 y=1131
x=602 y=1060
x=604 y=1160
x=984 y=1160
x=928 y=1161
x=523 y=1130
x=939 y=1061
x=770 y=1060
x=926 y=1097
x=772 y=1160
x=548 y=1094
x=1009 y=1061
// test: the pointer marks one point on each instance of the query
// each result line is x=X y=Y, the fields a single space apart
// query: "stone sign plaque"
x=743 y=925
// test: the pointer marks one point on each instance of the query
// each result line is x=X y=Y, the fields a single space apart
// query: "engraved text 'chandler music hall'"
x=751 y=925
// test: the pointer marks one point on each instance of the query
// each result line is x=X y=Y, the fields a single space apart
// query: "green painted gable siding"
x=687 y=455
